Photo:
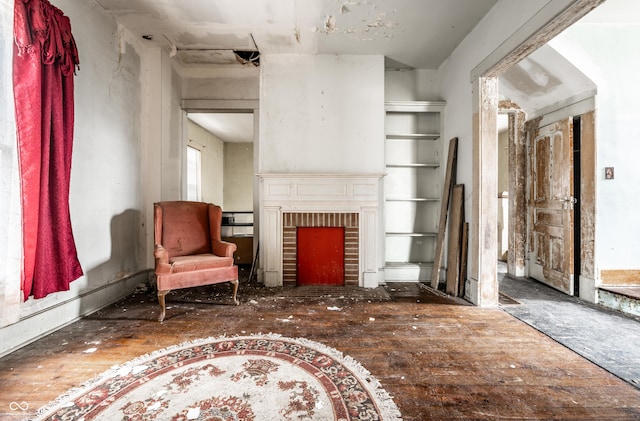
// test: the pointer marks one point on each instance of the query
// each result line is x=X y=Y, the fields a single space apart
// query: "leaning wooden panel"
x=449 y=180
x=464 y=241
x=455 y=234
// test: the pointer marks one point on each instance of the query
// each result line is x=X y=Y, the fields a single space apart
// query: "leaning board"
x=455 y=237
x=449 y=179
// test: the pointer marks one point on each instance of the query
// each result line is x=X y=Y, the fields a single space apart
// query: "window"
x=193 y=174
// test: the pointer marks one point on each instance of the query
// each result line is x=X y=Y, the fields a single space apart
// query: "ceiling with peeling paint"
x=545 y=81
x=410 y=33
x=417 y=34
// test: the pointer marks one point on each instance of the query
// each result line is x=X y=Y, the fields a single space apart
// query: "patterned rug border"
x=384 y=401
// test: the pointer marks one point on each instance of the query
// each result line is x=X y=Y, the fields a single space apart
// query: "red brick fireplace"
x=291 y=221
x=290 y=201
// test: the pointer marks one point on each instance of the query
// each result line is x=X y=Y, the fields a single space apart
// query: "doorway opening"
x=224 y=136
x=224 y=141
x=577 y=186
x=485 y=78
x=503 y=186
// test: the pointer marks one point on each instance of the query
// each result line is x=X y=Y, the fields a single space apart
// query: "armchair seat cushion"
x=197 y=262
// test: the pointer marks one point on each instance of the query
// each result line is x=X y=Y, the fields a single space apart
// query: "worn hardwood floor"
x=440 y=358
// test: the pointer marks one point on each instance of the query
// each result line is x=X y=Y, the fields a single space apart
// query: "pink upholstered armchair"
x=188 y=248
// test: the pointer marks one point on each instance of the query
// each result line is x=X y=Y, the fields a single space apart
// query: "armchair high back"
x=188 y=248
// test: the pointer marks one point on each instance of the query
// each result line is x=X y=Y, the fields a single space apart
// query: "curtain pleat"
x=44 y=62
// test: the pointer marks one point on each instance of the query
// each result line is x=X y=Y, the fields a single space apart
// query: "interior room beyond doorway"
x=222 y=172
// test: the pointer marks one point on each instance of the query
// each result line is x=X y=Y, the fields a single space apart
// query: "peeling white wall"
x=220 y=83
x=322 y=114
x=174 y=180
x=455 y=76
x=108 y=177
x=608 y=54
x=105 y=177
x=411 y=85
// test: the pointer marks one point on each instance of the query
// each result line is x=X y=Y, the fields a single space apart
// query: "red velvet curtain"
x=44 y=62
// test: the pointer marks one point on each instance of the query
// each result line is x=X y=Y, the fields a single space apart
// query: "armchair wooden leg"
x=161 y=295
x=235 y=291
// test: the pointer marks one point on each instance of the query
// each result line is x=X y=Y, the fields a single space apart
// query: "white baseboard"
x=588 y=290
x=407 y=272
x=619 y=302
x=42 y=323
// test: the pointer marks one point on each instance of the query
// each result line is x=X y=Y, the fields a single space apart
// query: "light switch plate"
x=608 y=173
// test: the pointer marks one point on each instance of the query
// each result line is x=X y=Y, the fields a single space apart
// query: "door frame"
x=584 y=191
x=549 y=264
x=248 y=106
x=550 y=21
x=585 y=217
x=517 y=168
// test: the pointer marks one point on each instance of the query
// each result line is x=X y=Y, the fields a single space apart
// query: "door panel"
x=551 y=205
x=320 y=255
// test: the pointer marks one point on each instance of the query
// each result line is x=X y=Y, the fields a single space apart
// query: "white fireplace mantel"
x=280 y=193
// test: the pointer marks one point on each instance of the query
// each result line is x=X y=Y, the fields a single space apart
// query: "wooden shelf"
x=414 y=106
x=405 y=264
x=411 y=234
x=416 y=165
x=412 y=151
x=412 y=199
x=413 y=136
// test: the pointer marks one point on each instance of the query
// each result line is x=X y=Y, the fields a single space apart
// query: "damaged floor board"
x=440 y=359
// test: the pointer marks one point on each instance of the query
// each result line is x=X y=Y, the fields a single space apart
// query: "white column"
x=483 y=239
x=272 y=245
x=368 y=241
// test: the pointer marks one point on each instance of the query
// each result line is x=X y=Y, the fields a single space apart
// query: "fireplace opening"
x=346 y=222
x=320 y=255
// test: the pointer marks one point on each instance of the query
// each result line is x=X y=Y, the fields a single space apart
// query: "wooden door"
x=551 y=205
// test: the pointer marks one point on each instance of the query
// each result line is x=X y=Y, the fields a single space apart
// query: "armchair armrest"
x=162 y=259
x=223 y=248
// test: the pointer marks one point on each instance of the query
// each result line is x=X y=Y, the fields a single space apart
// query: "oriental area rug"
x=245 y=378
